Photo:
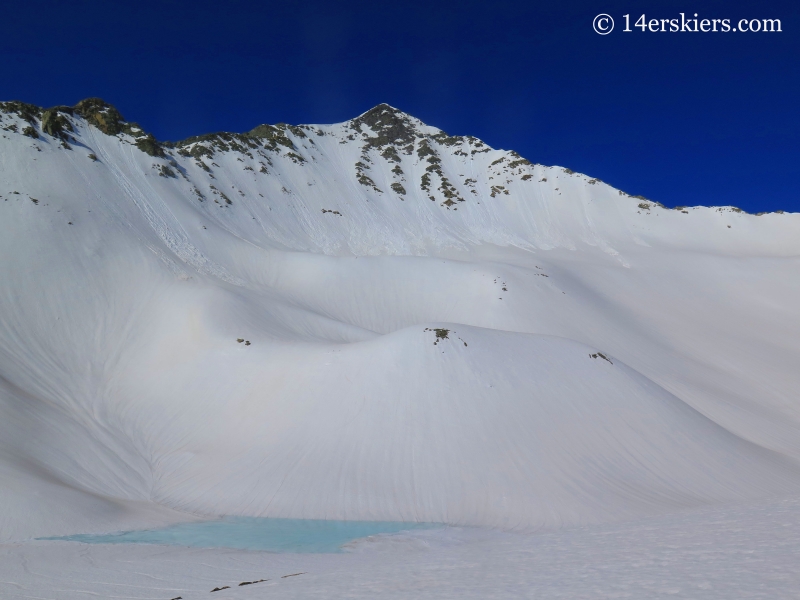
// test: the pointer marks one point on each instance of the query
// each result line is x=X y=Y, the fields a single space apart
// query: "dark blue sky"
x=682 y=118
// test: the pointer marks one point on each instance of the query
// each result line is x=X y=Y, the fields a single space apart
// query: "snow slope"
x=435 y=331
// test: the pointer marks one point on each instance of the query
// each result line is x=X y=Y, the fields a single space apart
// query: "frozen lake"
x=250 y=533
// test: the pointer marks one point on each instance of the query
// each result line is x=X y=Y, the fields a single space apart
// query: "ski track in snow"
x=161 y=220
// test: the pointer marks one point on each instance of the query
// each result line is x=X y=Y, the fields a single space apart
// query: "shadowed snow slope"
x=430 y=330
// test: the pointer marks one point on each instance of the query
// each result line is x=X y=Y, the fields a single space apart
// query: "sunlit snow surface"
x=275 y=331
x=712 y=554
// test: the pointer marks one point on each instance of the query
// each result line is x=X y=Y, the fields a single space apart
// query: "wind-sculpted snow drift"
x=374 y=320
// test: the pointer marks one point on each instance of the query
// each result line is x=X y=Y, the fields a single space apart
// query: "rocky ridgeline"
x=388 y=140
x=390 y=144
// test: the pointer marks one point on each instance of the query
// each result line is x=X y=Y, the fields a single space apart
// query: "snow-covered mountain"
x=374 y=320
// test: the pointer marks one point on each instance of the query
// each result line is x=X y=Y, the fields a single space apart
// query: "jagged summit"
x=382 y=109
x=392 y=125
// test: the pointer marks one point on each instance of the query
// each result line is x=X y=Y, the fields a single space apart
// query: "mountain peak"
x=391 y=125
x=383 y=109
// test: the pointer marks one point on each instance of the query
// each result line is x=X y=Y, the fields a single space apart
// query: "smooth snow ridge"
x=374 y=321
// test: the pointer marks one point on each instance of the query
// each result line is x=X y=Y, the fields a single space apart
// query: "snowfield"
x=375 y=320
x=714 y=553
